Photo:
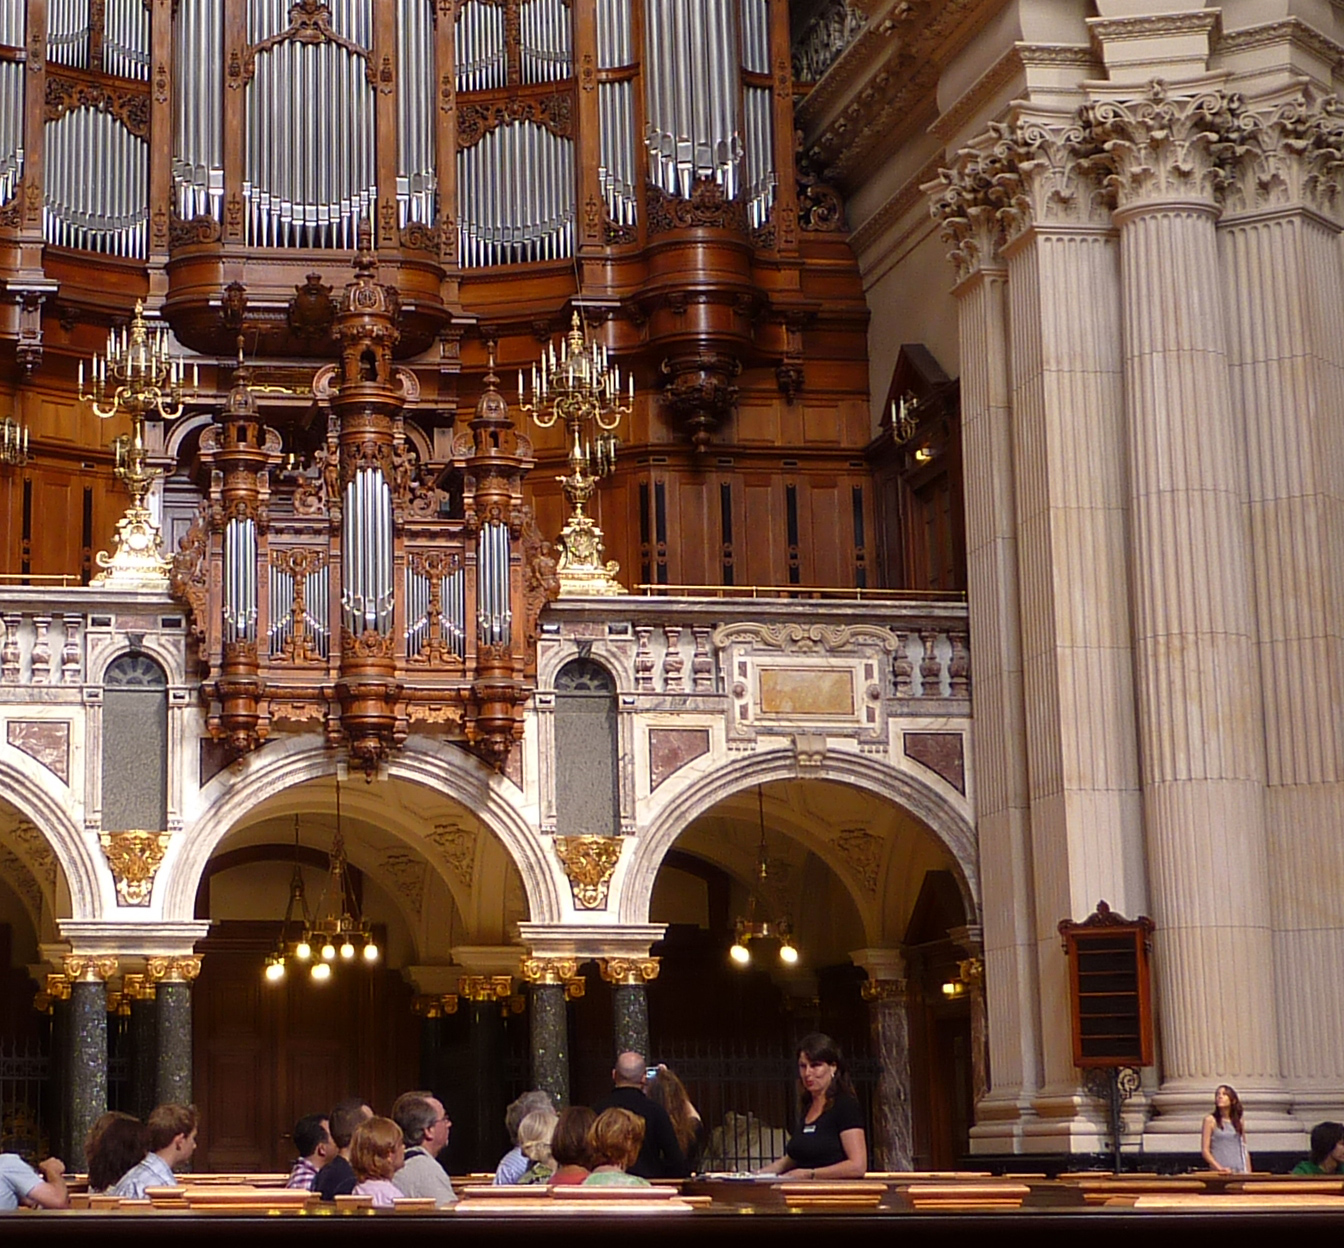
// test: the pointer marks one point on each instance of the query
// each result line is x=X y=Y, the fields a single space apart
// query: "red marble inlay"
x=672 y=748
x=943 y=753
x=46 y=740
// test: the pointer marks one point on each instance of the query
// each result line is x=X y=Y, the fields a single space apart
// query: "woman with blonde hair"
x=613 y=1143
x=534 y=1138
x=377 y=1152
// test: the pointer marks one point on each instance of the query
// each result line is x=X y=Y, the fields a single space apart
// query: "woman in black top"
x=829 y=1142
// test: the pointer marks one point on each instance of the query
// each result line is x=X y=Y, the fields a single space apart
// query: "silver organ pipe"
x=97 y=184
x=481 y=62
x=68 y=33
x=12 y=35
x=616 y=169
x=494 y=615
x=417 y=184
x=240 y=580
x=516 y=196
x=546 y=49
x=452 y=625
x=758 y=114
x=690 y=94
x=198 y=147
x=126 y=39
x=310 y=173
x=313 y=620
x=366 y=554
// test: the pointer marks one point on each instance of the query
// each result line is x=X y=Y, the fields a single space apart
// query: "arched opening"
x=850 y=873
x=435 y=884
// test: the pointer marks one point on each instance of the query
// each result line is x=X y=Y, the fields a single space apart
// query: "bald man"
x=661 y=1156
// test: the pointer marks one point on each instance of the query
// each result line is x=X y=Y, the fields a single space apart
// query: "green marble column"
x=550 y=1042
x=173 y=1084
x=630 y=1014
x=144 y=1055
x=87 y=1076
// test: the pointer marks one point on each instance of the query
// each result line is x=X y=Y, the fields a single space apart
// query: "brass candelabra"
x=137 y=376
x=581 y=388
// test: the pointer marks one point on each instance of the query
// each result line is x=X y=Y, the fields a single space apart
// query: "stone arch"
x=46 y=811
x=947 y=824
x=224 y=802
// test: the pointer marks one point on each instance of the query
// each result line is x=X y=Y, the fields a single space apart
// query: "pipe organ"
x=356 y=548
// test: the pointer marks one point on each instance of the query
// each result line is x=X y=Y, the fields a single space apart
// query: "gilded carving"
x=172 y=970
x=479 y=988
x=134 y=859
x=629 y=972
x=564 y=970
x=90 y=969
x=589 y=862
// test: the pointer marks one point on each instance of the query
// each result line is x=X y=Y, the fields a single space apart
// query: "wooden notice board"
x=1109 y=990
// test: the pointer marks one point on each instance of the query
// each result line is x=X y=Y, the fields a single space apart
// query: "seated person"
x=614 y=1143
x=534 y=1138
x=43 y=1188
x=312 y=1137
x=377 y=1152
x=513 y=1165
x=830 y=1141
x=424 y=1126
x=1327 y=1150
x=569 y=1146
x=172 y=1140
x=337 y=1177
x=116 y=1143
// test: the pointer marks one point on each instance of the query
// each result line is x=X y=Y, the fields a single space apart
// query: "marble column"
x=87 y=1075
x=554 y=981
x=1197 y=669
x=1286 y=358
x=144 y=1044
x=1072 y=498
x=630 y=1004
x=971 y=225
x=972 y=971
x=173 y=978
x=885 y=990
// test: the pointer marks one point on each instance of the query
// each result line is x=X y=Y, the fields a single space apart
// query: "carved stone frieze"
x=589 y=862
x=133 y=858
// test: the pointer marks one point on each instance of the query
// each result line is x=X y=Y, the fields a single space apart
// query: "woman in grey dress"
x=1224 y=1142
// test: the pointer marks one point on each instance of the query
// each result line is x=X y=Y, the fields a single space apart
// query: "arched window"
x=135 y=745
x=586 y=802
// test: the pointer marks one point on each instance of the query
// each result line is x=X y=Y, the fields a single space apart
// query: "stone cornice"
x=1292 y=29
x=885 y=83
x=1123 y=29
x=904 y=201
x=1017 y=60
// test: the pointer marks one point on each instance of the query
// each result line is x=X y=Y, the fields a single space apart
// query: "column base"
x=1179 y=1110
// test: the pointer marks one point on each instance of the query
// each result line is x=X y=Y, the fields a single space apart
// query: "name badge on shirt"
x=809 y=1128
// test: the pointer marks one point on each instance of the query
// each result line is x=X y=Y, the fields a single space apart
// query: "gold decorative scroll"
x=590 y=862
x=172 y=970
x=629 y=971
x=83 y=968
x=134 y=859
x=555 y=971
x=485 y=987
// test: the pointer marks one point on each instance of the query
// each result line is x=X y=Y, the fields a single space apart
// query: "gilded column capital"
x=1161 y=149
x=56 y=988
x=135 y=987
x=90 y=969
x=428 y=1005
x=629 y=972
x=589 y=862
x=165 y=970
x=897 y=990
x=133 y=857
x=478 y=988
x=555 y=971
x=972 y=972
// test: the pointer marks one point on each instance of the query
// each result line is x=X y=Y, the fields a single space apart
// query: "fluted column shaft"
x=1003 y=818
x=1284 y=279
x=1196 y=662
x=1070 y=468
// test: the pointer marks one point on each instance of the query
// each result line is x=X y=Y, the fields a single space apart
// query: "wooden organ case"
x=345 y=597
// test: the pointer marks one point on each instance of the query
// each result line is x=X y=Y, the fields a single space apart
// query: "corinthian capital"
x=1292 y=156
x=966 y=199
x=1162 y=148
x=1052 y=182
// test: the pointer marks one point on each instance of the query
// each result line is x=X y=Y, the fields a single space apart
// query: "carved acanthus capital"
x=1162 y=149
x=967 y=199
x=1291 y=156
x=630 y=972
x=86 y=969
x=589 y=862
x=133 y=858
x=166 y=970
x=1043 y=177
